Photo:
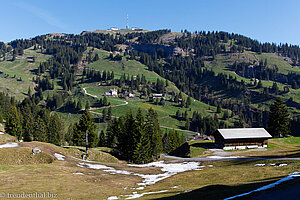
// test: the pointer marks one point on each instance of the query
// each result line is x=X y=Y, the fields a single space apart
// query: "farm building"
x=241 y=138
x=157 y=96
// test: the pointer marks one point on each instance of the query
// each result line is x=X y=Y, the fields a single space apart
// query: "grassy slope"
x=223 y=62
x=21 y=67
x=132 y=67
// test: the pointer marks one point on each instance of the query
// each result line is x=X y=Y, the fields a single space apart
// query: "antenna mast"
x=127 y=26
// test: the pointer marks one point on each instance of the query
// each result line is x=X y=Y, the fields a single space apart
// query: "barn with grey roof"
x=241 y=138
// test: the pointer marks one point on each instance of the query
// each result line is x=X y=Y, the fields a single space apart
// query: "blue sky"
x=264 y=20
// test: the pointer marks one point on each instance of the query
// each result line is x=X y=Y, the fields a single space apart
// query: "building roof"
x=242 y=133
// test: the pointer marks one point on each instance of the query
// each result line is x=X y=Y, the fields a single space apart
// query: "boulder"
x=36 y=151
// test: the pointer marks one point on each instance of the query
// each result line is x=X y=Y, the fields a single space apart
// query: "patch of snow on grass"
x=289 y=177
x=176 y=186
x=209 y=165
x=104 y=168
x=9 y=145
x=139 y=188
x=281 y=165
x=112 y=198
x=221 y=157
x=79 y=173
x=59 y=156
x=1 y=133
x=259 y=165
x=170 y=169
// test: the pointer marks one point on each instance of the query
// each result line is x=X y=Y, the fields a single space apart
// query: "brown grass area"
x=7 y=138
x=21 y=156
x=224 y=179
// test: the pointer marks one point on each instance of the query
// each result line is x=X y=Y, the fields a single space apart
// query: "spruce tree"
x=141 y=143
x=279 y=120
x=28 y=123
x=104 y=114
x=87 y=105
x=13 y=125
x=219 y=108
x=109 y=113
x=102 y=139
x=154 y=133
x=86 y=123
x=55 y=134
x=79 y=105
x=40 y=130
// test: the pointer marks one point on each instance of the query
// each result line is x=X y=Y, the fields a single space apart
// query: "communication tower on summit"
x=127 y=26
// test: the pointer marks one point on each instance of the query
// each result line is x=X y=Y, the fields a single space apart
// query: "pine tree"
x=29 y=92
x=279 y=121
x=55 y=134
x=154 y=133
x=104 y=114
x=40 y=130
x=109 y=113
x=102 y=139
x=13 y=125
x=219 y=108
x=141 y=142
x=87 y=105
x=69 y=135
x=28 y=123
x=86 y=123
x=188 y=102
x=187 y=124
x=79 y=105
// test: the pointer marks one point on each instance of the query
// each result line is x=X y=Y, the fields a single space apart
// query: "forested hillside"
x=194 y=82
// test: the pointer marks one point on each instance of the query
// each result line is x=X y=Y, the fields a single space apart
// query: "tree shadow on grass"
x=206 y=145
x=214 y=192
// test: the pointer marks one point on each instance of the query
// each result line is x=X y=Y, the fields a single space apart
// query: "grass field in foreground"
x=223 y=179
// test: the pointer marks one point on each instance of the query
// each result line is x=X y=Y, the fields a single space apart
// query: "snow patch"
x=289 y=177
x=209 y=165
x=9 y=145
x=278 y=165
x=79 y=173
x=169 y=170
x=221 y=157
x=1 y=133
x=259 y=165
x=139 y=188
x=176 y=186
x=59 y=156
x=281 y=165
x=112 y=198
